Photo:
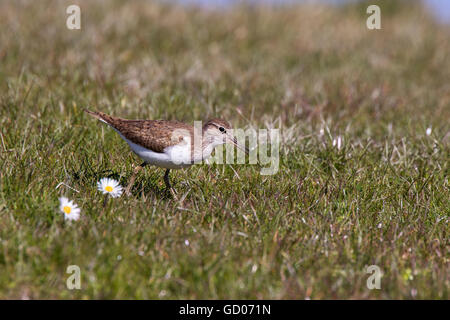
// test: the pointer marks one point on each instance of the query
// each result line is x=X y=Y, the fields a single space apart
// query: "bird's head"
x=218 y=131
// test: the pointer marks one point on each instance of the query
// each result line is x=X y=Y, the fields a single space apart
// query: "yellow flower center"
x=67 y=209
x=109 y=188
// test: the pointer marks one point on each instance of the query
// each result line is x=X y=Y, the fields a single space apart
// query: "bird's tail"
x=100 y=116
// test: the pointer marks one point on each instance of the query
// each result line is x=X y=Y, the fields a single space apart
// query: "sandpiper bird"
x=169 y=144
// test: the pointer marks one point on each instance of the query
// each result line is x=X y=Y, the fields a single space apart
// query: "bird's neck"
x=203 y=149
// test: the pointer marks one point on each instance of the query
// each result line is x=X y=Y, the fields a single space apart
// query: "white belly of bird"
x=175 y=157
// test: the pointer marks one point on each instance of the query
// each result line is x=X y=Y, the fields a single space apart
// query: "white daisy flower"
x=70 y=209
x=110 y=186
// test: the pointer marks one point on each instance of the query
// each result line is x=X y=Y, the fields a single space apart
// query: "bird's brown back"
x=155 y=135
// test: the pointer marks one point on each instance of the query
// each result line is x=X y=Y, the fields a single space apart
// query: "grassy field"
x=309 y=231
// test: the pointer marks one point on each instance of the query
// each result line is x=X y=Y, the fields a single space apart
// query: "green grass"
x=308 y=231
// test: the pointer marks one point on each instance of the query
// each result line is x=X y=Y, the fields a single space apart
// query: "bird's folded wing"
x=155 y=135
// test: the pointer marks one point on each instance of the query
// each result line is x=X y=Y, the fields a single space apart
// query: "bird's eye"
x=222 y=129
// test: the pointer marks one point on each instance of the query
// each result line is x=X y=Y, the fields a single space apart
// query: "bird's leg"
x=168 y=186
x=133 y=177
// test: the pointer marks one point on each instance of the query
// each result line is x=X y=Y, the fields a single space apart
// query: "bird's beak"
x=231 y=139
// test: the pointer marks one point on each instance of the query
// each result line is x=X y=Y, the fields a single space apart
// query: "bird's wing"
x=155 y=135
